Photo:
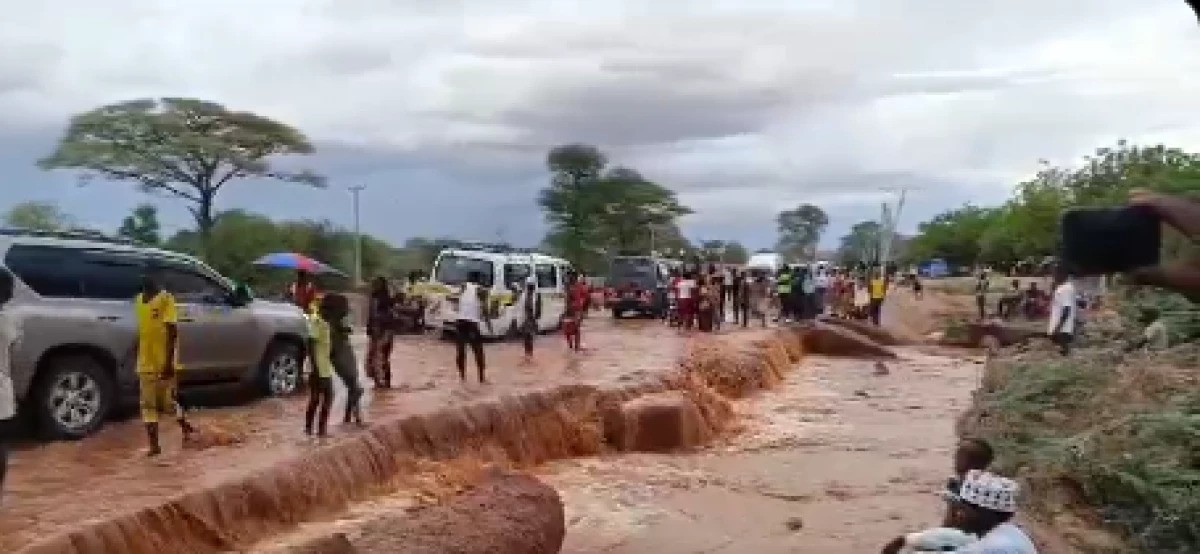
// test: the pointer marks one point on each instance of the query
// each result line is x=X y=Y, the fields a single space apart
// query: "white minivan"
x=505 y=273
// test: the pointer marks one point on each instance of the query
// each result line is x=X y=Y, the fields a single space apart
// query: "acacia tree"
x=182 y=147
x=570 y=209
x=631 y=208
x=800 y=229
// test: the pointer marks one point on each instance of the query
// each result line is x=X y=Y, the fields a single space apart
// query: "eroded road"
x=58 y=486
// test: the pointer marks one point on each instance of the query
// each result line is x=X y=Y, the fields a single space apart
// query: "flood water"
x=835 y=460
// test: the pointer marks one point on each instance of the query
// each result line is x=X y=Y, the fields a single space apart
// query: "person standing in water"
x=335 y=309
x=531 y=312
x=381 y=330
x=158 y=360
x=320 y=382
x=472 y=316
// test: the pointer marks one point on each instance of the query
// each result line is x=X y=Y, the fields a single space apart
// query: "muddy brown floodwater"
x=58 y=486
x=834 y=460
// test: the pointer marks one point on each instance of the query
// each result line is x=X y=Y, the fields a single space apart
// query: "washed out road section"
x=59 y=486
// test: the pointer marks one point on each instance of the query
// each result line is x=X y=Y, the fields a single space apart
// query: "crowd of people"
x=705 y=299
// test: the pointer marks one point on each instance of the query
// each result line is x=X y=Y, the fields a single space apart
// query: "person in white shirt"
x=1064 y=311
x=472 y=315
x=10 y=331
x=980 y=521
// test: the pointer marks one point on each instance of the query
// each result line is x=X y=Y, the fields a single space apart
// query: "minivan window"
x=547 y=277
x=48 y=270
x=515 y=275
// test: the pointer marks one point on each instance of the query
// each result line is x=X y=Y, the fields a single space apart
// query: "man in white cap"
x=984 y=506
x=979 y=521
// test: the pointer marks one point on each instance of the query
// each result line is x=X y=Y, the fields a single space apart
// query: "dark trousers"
x=1063 y=340
x=467 y=333
x=320 y=396
x=345 y=366
x=528 y=332
x=875 y=310
x=742 y=311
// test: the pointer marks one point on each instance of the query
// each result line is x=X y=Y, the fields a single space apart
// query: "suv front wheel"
x=73 y=397
x=282 y=369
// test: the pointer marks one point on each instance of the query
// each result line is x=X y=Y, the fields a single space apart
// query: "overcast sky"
x=445 y=110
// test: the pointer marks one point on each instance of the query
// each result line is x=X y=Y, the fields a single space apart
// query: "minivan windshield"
x=453 y=269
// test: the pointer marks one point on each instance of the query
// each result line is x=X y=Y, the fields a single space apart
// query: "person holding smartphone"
x=1064 y=311
x=1183 y=214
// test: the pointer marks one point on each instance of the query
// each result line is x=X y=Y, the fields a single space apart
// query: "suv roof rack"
x=70 y=234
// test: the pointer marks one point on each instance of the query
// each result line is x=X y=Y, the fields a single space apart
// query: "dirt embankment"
x=515 y=430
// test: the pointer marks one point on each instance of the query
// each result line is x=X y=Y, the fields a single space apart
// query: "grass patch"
x=1131 y=456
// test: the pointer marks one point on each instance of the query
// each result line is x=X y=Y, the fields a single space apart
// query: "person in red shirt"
x=303 y=292
x=577 y=299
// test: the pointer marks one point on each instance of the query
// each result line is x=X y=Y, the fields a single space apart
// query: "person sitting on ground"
x=1035 y=302
x=1006 y=308
x=1155 y=336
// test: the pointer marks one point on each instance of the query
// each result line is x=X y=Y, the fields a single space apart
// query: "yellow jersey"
x=322 y=344
x=153 y=318
x=878 y=289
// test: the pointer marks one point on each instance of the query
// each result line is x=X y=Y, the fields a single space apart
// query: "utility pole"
x=887 y=228
x=354 y=192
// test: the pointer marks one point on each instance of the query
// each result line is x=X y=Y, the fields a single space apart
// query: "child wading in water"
x=158 y=360
x=320 y=384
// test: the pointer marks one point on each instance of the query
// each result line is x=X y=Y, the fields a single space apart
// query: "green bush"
x=1137 y=465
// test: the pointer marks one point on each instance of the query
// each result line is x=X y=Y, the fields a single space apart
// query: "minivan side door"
x=217 y=341
x=553 y=300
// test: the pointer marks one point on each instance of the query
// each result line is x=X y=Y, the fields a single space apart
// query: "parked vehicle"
x=770 y=262
x=74 y=364
x=505 y=271
x=638 y=284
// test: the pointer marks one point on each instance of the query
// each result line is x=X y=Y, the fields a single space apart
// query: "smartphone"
x=1100 y=241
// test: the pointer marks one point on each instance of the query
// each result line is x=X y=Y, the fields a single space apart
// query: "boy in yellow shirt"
x=878 y=290
x=158 y=360
x=320 y=384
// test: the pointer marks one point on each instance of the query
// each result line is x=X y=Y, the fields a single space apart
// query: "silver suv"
x=75 y=362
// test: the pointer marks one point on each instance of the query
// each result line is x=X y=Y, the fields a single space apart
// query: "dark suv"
x=638 y=285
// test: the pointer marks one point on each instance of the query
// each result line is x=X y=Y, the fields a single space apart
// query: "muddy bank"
x=504 y=513
x=519 y=429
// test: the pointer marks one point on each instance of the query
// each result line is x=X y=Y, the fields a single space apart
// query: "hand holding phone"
x=1100 y=241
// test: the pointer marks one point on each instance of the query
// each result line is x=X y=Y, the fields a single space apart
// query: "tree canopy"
x=142 y=226
x=596 y=211
x=182 y=147
x=800 y=230
x=1025 y=227
x=38 y=216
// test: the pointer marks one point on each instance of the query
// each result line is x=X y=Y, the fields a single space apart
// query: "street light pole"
x=354 y=192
